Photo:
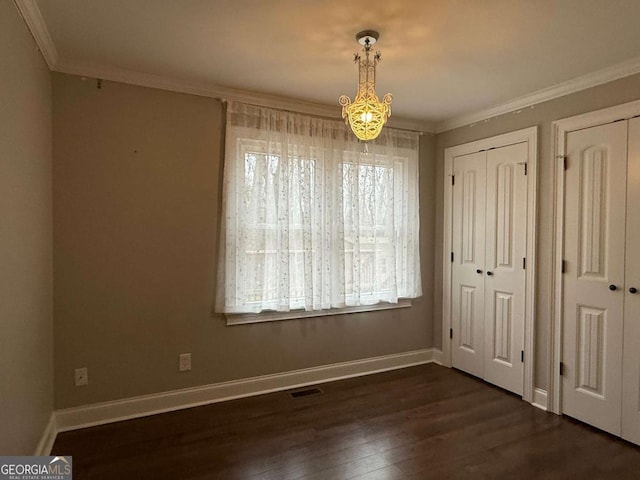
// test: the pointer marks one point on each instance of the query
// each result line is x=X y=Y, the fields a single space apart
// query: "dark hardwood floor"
x=425 y=422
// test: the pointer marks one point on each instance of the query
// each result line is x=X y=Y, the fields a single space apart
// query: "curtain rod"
x=316 y=115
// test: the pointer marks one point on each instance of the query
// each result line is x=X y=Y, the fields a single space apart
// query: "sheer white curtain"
x=312 y=222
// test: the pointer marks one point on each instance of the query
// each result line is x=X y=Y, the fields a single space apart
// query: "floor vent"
x=306 y=392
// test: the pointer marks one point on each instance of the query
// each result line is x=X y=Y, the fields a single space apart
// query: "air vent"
x=306 y=392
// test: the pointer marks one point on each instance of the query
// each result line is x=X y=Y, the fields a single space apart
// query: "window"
x=310 y=221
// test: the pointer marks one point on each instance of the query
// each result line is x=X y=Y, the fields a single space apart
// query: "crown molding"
x=133 y=77
x=34 y=21
x=33 y=18
x=203 y=89
x=421 y=126
x=599 y=77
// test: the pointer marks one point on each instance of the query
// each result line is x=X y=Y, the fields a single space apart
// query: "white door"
x=505 y=252
x=488 y=275
x=631 y=358
x=593 y=282
x=467 y=279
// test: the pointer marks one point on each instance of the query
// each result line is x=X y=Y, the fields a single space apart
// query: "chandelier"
x=367 y=114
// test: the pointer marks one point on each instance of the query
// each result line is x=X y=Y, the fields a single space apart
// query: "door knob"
x=612 y=287
x=633 y=290
x=479 y=271
x=489 y=273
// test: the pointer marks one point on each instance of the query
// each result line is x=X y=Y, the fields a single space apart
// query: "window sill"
x=241 y=319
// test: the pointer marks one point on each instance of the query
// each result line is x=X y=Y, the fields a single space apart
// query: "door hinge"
x=561 y=369
x=451 y=333
x=451 y=257
x=522 y=356
x=565 y=164
x=524 y=164
x=453 y=179
x=524 y=263
x=563 y=267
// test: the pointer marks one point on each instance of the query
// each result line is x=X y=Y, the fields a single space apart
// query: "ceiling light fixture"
x=367 y=114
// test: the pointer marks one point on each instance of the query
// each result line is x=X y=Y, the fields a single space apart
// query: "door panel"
x=505 y=250
x=592 y=258
x=594 y=251
x=468 y=240
x=631 y=360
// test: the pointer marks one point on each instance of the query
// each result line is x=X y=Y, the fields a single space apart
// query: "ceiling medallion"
x=367 y=114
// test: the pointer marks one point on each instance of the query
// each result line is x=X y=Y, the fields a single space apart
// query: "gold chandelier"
x=367 y=114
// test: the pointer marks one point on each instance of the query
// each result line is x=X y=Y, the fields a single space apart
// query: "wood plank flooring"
x=416 y=423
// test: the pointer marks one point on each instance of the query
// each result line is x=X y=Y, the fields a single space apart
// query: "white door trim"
x=529 y=135
x=559 y=130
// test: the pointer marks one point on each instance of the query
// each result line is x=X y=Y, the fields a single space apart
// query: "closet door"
x=631 y=356
x=505 y=275
x=594 y=278
x=467 y=276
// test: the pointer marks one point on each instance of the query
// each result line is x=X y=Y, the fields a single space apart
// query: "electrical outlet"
x=82 y=377
x=184 y=362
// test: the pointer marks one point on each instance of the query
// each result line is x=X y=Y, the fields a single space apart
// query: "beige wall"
x=26 y=340
x=136 y=195
x=610 y=94
x=136 y=206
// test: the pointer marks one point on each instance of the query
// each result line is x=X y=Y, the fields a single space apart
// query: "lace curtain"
x=310 y=221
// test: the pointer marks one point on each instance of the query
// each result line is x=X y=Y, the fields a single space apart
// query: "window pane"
x=312 y=222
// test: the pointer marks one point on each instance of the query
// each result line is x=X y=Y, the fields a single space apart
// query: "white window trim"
x=245 y=318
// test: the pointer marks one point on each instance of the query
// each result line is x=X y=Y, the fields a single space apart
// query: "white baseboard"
x=540 y=398
x=437 y=355
x=48 y=437
x=125 y=409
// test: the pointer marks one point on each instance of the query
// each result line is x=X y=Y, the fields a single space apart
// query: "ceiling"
x=441 y=59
